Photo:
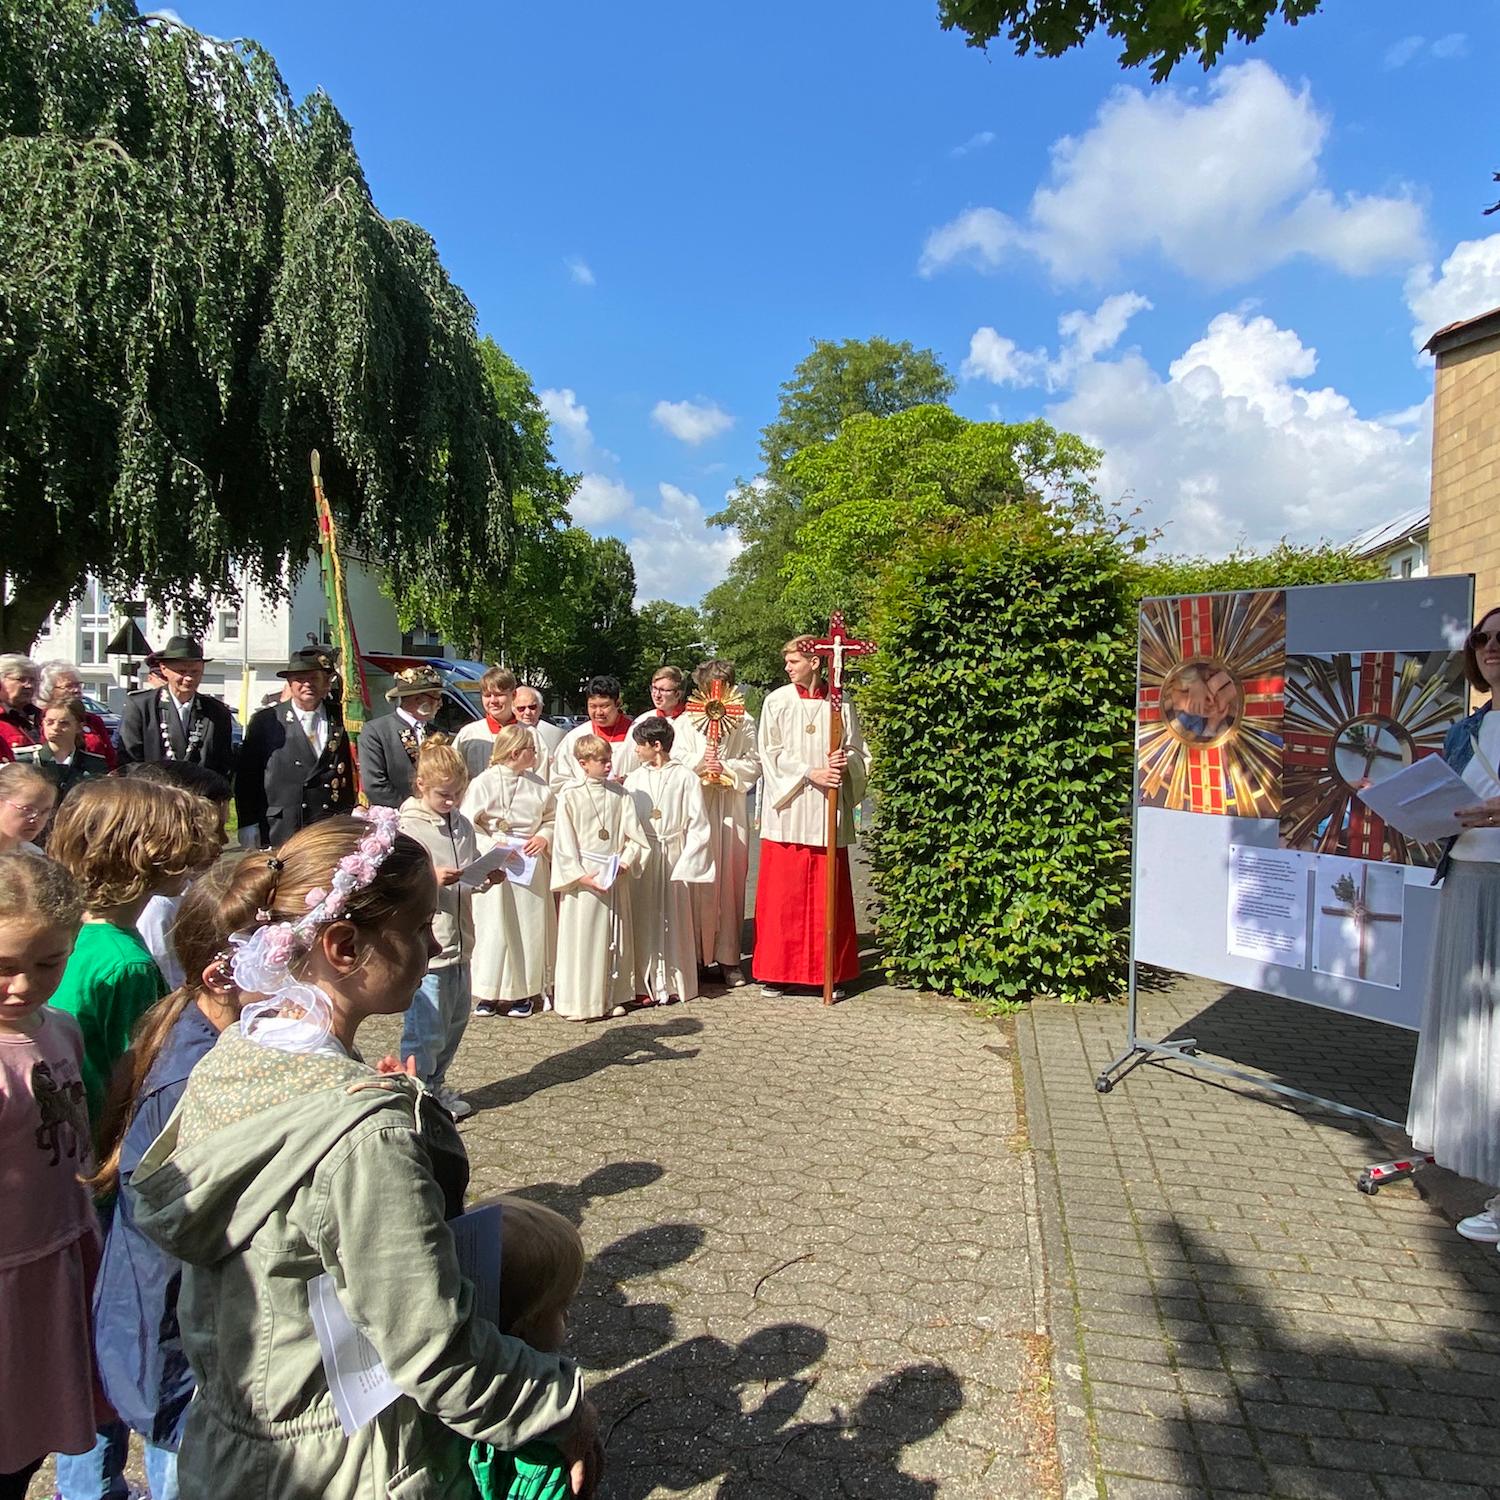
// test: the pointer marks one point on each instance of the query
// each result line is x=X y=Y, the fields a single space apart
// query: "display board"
x=1260 y=716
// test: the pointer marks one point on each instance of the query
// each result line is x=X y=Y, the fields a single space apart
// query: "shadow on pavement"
x=607 y=1329
x=571 y=1199
x=626 y=1045
x=1327 y=1409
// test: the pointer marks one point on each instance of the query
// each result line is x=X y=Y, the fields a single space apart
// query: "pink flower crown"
x=262 y=958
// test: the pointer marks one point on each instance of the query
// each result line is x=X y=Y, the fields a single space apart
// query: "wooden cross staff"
x=1358 y=911
x=836 y=646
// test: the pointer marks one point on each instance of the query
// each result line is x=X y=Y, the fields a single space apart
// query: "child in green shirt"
x=541 y=1268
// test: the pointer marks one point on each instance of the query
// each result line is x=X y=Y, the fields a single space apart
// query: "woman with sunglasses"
x=1455 y=1095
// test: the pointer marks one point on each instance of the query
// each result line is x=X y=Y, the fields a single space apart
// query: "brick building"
x=1464 y=534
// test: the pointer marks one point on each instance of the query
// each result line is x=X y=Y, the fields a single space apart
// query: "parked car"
x=565 y=721
x=461 y=703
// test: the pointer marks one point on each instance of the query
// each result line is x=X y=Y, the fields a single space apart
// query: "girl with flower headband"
x=288 y=1158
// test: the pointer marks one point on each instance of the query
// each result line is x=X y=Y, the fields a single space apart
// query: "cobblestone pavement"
x=1231 y=1316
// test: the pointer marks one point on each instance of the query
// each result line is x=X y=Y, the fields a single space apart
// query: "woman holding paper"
x=515 y=923
x=290 y=1158
x=1455 y=1097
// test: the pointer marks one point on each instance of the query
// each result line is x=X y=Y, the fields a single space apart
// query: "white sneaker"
x=1483 y=1227
x=456 y=1105
x=772 y=991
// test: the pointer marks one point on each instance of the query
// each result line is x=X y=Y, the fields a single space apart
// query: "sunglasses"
x=1479 y=639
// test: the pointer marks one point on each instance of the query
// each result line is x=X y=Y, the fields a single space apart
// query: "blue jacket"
x=136 y=1338
x=1458 y=751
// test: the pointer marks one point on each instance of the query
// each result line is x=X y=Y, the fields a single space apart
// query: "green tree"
x=1161 y=34
x=838 y=380
x=671 y=635
x=884 y=481
x=196 y=290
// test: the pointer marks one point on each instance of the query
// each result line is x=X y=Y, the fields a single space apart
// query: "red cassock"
x=790 y=896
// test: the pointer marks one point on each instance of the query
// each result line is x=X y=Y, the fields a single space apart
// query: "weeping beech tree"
x=195 y=290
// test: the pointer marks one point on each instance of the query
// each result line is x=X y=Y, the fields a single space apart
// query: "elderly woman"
x=62 y=682
x=20 y=718
x=1455 y=1097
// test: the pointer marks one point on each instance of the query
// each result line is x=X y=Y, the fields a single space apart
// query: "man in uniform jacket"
x=177 y=722
x=295 y=767
x=388 y=745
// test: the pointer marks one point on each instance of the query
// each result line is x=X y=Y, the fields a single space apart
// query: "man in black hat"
x=388 y=745
x=177 y=722
x=295 y=767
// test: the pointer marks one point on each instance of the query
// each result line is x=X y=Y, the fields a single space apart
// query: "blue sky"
x=1222 y=281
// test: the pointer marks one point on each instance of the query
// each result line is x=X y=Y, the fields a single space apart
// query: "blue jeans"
x=435 y=1022
x=99 y=1474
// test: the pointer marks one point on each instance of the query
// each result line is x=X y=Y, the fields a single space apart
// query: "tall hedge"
x=999 y=707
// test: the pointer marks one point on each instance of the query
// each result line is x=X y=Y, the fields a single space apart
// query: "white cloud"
x=1084 y=337
x=1398 y=54
x=1467 y=284
x=567 y=414
x=1445 y=49
x=976 y=142
x=599 y=500
x=1454 y=45
x=1222 y=186
x=692 y=421
x=580 y=270
x=1233 y=446
x=677 y=555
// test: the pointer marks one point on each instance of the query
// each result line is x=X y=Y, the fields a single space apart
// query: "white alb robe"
x=794 y=741
x=515 y=926
x=595 y=931
x=719 y=909
x=670 y=802
x=565 y=768
x=474 y=743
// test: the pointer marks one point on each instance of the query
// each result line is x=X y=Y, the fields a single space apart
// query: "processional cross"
x=1357 y=909
x=710 y=711
x=835 y=646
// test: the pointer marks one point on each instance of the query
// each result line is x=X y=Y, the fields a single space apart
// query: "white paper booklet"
x=607 y=868
x=1421 y=800
x=519 y=868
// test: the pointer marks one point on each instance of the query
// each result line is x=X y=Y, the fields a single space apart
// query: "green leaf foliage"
x=195 y=291
x=1159 y=32
x=999 y=710
x=1283 y=567
x=671 y=635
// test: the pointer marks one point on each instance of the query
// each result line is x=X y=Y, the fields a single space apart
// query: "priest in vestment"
x=790 y=919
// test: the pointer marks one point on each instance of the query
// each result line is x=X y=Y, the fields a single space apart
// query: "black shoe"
x=486 y=1008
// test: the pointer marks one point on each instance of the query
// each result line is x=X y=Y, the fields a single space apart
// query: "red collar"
x=496 y=725
x=669 y=713
x=819 y=691
x=615 y=732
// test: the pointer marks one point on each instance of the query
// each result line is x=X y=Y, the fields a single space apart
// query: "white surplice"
x=670 y=802
x=515 y=926
x=474 y=742
x=794 y=741
x=719 y=909
x=595 y=932
x=565 y=768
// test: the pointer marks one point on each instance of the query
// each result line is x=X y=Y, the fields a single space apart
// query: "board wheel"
x=1103 y=1083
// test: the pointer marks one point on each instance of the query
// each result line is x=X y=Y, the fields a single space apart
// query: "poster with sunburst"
x=1353 y=719
x=1208 y=718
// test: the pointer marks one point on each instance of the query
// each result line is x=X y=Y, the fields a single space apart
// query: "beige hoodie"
x=450 y=842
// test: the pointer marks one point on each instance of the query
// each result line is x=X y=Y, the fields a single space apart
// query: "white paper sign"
x=1268 y=905
x=359 y=1383
x=1421 y=800
x=1359 y=910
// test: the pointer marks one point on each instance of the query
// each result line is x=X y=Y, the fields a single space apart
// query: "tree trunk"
x=26 y=603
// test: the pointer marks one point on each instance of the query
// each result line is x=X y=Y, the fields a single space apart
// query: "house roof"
x=1465 y=331
x=1391 y=533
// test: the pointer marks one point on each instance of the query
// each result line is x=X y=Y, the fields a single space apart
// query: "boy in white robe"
x=475 y=741
x=515 y=926
x=597 y=856
x=670 y=802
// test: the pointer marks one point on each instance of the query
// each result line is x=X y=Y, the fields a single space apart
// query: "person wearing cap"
x=389 y=745
x=295 y=766
x=176 y=722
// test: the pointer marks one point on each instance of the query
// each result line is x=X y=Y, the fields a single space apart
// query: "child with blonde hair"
x=439 y=1011
x=26 y=802
x=515 y=926
x=541 y=1269
x=49 y=1238
x=600 y=851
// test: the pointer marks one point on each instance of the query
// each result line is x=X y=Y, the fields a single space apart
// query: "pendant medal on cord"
x=603 y=830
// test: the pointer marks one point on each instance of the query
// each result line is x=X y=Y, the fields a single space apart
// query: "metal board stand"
x=1184 y=1050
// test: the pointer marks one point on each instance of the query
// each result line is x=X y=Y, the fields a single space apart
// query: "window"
x=229 y=624
x=93 y=624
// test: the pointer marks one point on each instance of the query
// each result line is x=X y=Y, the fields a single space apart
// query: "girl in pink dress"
x=49 y=1239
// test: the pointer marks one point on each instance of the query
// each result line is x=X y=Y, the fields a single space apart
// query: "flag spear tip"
x=317 y=465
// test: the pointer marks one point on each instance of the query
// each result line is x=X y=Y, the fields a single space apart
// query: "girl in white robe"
x=670 y=802
x=515 y=926
x=597 y=825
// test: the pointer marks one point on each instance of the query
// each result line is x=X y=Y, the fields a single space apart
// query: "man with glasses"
x=527 y=706
x=20 y=718
x=668 y=693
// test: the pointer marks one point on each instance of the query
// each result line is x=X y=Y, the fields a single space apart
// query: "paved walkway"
x=1231 y=1317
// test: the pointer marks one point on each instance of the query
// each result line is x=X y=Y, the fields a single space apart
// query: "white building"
x=249 y=639
x=1400 y=543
